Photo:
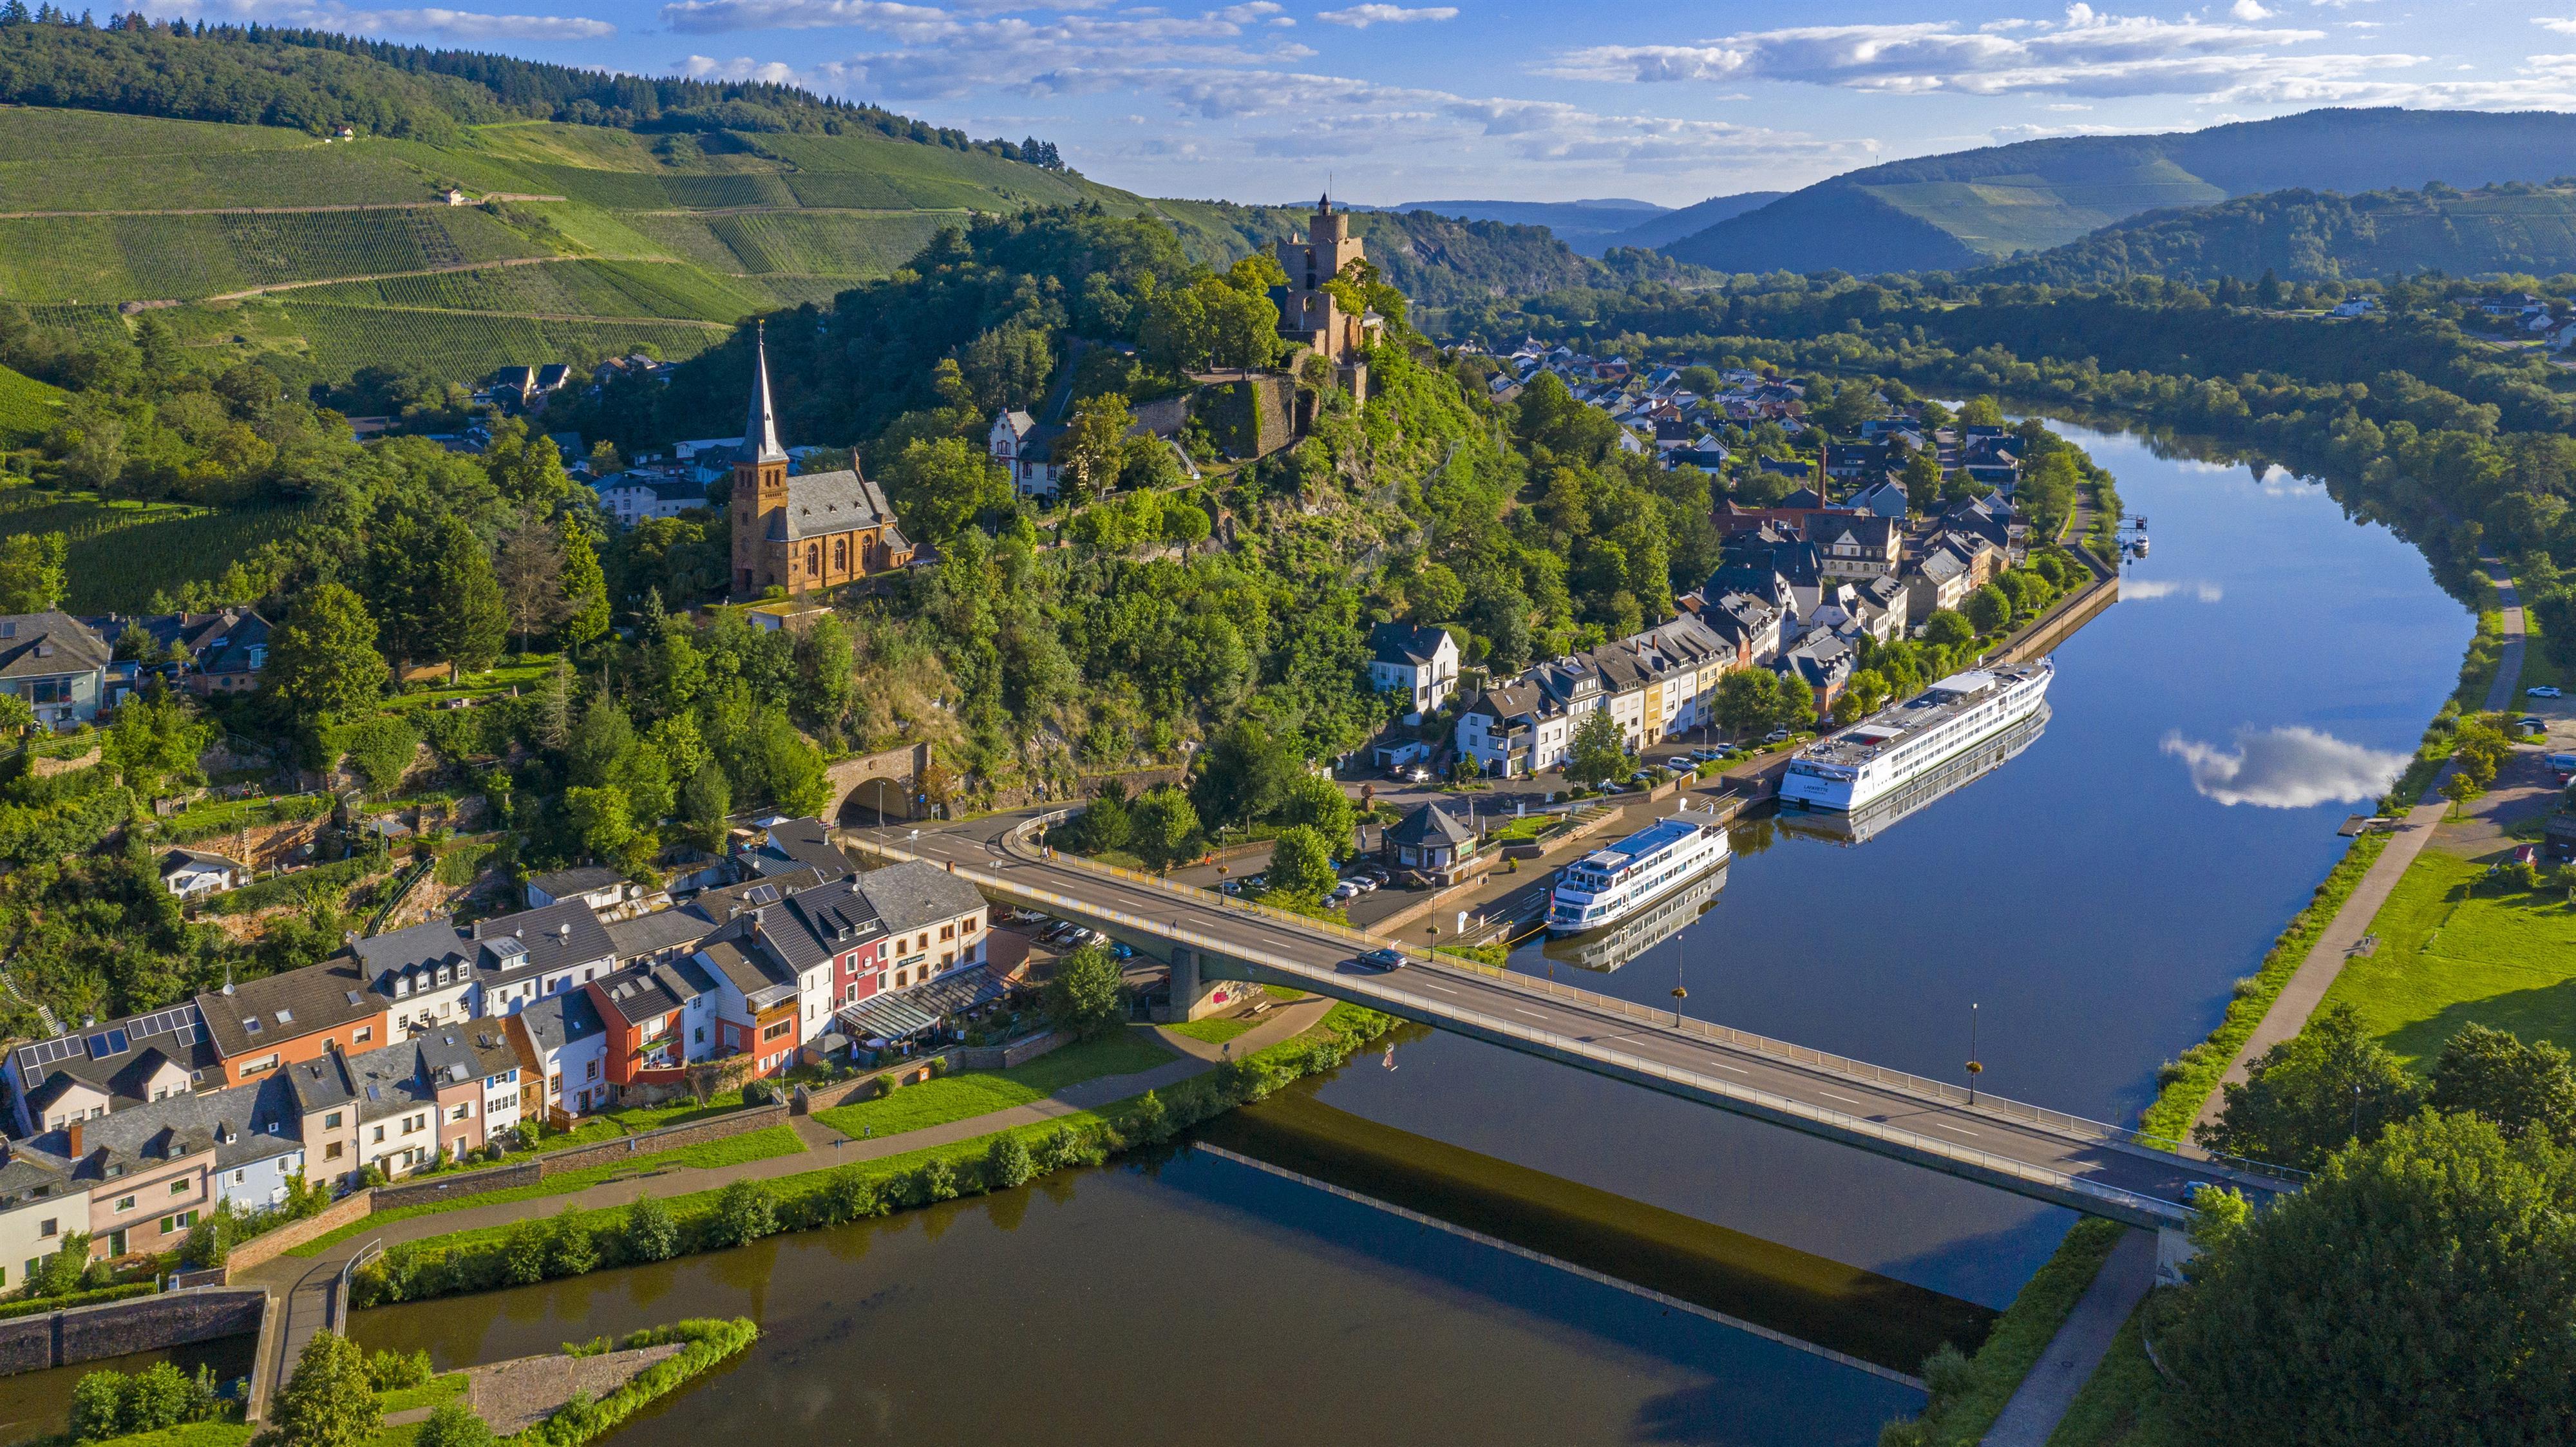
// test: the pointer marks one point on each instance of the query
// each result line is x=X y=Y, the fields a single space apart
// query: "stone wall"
x=449 y=1186
x=260 y=1250
x=1018 y=1052
x=144 y=1324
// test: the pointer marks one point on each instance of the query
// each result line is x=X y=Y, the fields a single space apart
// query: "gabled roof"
x=172 y=861
x=467 y=1050
x=561 y=1019
x=260 y=1015
x=795 y=843
x=1410 y=644
x=43 y=645
x=916 y=893
x=580 y=879
x=1430 y=824
x=650 y=992
x=819 y=503
x=552 y=937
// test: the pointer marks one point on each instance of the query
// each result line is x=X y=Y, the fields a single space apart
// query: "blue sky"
x=1262 y=100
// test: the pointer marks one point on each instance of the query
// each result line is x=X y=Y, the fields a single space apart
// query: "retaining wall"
x=260 y=1250
x=459 y=1183
x=146 y=1323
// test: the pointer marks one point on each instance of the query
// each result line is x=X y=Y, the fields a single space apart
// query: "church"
x=803 y=533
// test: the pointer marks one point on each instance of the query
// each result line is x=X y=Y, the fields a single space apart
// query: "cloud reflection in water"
x=2286 y=768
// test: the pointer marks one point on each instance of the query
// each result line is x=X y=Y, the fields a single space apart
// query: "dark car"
x=1383 y=959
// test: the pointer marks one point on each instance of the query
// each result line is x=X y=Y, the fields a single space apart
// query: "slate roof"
x=1413 y=645
x=916 y=892
x=44 y=645
x=651 y=934
x=467 y=1050
x=117 y=1058
x=819 y=503
x=556 y=936
x=28 y=1174
x=242 y=1124
x=265 y=1013
x=737 y=959
x=390 y=1081
x=649 y=992
x=579 y=880
x=561 y=1019
x=1430 y=824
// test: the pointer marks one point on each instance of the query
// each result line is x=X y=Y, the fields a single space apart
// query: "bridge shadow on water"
x=1755 y=1384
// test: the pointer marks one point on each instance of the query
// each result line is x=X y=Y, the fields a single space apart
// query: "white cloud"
x=2147 y=590
x=2006 y=135
x=2249 y=11
x=454 y=24
x=2286 y=768
x=941 y=54
x=2548 y=22
x=1361 y=17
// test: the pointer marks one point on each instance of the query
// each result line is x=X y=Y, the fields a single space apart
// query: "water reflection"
x=1193 y=1300
x=1604 y=950
x=39 y=1404
x=2286 y=768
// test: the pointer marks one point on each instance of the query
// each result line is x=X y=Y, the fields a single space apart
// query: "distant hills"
x=1672 y=226
x=1974 y=208
x=1585 y=226
x=2310 y=236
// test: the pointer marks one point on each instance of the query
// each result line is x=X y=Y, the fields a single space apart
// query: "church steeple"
x=760 y=430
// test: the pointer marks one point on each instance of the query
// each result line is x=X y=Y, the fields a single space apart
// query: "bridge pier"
x=2174 y=1248
x=1194 y=996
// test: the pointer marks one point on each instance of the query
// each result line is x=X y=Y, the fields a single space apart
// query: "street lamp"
x=1976 y=1067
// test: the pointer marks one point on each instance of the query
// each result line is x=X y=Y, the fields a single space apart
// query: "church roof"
x=760 y=430
x=819 y=503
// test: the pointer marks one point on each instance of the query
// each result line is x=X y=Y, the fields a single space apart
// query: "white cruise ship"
x=1608 y=885
x=1903 y=741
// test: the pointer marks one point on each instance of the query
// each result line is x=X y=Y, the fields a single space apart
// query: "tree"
x=464 y=622
x=1864 y=693
x=2523 y=1089
x=156 y=736
x=601 y=817
x=322 y=658
x=33 y=572
x=1245 y=774
x=1301 y=865
x=453 y=1424
x=585 y=588
x=1981 y=412
x=941 y=485
x=1986 y=608
x=1598 y=751
x=2310 y=1094
x=381 y=750
x=705 y=802
x=1093 y=446
x=1083 y=997
x=329 y=1402
x=2415 y=1290
x=1006 y=1164
x=526 y=467
x=745 y=1212
x=1946 y=628
x=1163 y=827
x=2460 y=787
x=650 y=1231
x=530 y=568
x=1746 y=699
x=1320 y=804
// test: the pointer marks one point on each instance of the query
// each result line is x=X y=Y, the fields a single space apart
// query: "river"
x=2094 y=899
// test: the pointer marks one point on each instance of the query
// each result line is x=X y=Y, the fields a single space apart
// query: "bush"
x=523 y=1254
x=747 y=1211
x=570 y=1251
x=1007 y=1164
x=454 y=1424
x=392 y=1371
x=848 y=1195
x=651 y=1234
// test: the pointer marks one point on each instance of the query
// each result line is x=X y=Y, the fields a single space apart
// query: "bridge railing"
x=1382 y=989
x=1942 y=1091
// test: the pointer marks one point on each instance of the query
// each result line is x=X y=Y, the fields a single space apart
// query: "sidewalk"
x=2299 y=999
x=304 y=1283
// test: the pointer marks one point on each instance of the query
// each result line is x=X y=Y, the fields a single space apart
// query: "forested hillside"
x=1955 y=212
x=2511 y=228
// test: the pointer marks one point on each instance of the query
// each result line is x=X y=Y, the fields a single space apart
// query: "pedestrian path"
x=2040 y=1402
x=304 y=1283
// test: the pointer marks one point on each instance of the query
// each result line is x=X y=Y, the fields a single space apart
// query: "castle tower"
x=1308 y=315
x=759 y=483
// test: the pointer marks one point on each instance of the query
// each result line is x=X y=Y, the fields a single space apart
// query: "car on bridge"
x=1381 y=959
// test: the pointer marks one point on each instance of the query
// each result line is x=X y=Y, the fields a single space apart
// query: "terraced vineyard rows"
x=803 y=243
x=114 y=258
x=589 y=288
x=471 y=344
x=123 y=552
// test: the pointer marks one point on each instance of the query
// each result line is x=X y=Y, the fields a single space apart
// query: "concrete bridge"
x=2065 y=1160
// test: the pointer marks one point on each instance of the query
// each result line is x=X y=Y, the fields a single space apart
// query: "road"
x=2062 y=1159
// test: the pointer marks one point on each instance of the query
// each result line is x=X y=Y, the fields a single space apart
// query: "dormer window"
x=402 y=987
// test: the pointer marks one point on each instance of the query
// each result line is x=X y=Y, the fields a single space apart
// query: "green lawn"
x=981 y=1092
x=2448 y=956
x=429 y=1394
x=758 y=1145
x=1215 y=1030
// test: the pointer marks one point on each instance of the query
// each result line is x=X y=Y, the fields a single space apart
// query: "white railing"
x=1378 y=988
x=1940 y=1092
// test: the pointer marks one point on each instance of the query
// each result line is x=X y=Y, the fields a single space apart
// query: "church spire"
x=760 y=430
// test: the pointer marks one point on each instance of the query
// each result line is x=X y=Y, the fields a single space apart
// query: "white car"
x=2544 y=691
x=1345 y=891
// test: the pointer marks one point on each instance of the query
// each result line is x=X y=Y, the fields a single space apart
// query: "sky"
x=1273 y=100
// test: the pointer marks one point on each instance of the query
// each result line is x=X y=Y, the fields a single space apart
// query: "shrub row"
x=652 y=1229
x=34 y=1305
x=709 y=1343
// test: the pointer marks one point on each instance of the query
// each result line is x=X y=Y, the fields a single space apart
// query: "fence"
x=2001 y=1108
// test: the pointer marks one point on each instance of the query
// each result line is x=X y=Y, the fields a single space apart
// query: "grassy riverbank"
x=980 y=1092
x=578 y=1242
x=1969 y=1393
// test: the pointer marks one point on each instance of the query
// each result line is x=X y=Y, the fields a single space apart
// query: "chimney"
x=72 y=1140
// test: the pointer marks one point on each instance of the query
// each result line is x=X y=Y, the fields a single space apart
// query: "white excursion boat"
x=1608 y=885
x=1904 y=741
x=1849 y=827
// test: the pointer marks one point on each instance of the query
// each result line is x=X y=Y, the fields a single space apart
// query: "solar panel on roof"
x=99 y=1049
x=762 y=894
x=116 y=1042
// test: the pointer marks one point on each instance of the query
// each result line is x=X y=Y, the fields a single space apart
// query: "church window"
x=813 y=557
x=840 y=555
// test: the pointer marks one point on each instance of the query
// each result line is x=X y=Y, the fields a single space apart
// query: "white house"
x=1020 y=446
x=189 y=873
x=1418 y=660
x=633 y=497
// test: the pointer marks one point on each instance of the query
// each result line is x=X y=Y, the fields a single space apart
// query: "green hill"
x=27 y=408
x=1672 y=226
x=1973 y=208
x=1586 y=226
x=2312 y=236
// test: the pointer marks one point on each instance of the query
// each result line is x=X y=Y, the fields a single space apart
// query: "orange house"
x=259 y=1027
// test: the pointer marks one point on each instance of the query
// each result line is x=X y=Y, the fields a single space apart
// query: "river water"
x=2093 y=898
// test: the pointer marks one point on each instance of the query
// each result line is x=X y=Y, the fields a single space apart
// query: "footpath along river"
x=2095 y=898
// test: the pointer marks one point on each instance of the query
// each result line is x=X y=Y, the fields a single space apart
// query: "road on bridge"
x=2058 y=1158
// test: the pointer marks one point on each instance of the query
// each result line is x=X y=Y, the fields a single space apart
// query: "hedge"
x=35 y=1305
x=578 y=1242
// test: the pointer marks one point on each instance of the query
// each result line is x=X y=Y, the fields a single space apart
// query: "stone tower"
x=759 y=481
x=1307 y=313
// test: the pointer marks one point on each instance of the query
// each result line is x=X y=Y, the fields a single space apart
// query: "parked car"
x=2528 y=726
x=2546 y=690
x=1345 y=892
x=1776 y=736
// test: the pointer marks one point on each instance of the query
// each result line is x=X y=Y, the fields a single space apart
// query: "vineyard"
x=471 y=344
x=579 y=288
x=27 y=408
x=799 y=243
x=106 y=258
x=122 y=553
